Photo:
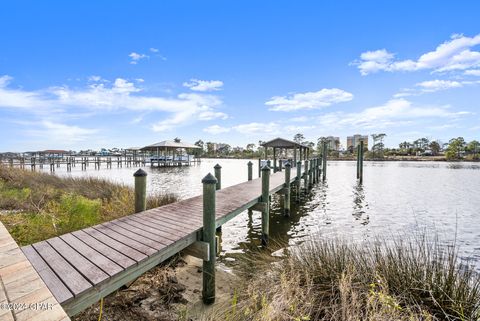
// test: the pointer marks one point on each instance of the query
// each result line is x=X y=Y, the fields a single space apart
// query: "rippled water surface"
x=396 y=198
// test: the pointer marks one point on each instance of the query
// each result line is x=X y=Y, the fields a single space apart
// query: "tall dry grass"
x=35 y=206
x=417 y=278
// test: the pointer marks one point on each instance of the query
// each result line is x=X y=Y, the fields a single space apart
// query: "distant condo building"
x=354 y=141
x=333 y=143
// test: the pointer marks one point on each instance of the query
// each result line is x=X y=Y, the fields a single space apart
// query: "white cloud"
x=122 y=94
x=154 y=50
x=436 y=85
x=394 y=112
x=472 y=72
x=216 y=129
x=136 y=57
x=258 y=128
x=309 y=100
x=58 y=133
x=455 y=54
x=204 y=85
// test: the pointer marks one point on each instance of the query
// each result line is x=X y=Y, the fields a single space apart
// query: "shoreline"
x=386 y=159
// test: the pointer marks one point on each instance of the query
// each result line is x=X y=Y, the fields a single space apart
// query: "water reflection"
x=394 y=197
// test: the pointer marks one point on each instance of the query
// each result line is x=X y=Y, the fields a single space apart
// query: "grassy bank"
x=334 y=280
x=35 y=206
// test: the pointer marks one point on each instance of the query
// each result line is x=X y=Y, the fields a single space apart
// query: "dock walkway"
x=81 y=267
x=23 y=294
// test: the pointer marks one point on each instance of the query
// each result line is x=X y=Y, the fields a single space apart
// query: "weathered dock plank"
x=83 y=266
x=24 y=294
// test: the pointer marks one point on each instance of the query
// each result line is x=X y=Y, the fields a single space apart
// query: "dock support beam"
x=218 y=185
x=361 y=163
x=310 y=173
x=266 y=201
x=208 y=236
x=140 y=190
x=250 y=170
x=299 y=180
x=305 y=175
x=286 y=204
x=218 y=176
x=324 y=162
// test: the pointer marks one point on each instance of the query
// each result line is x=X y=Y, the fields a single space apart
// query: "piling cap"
x=217 y=166
x=209 y=179
x=265 y=168
x=140 y=173
x=287 y=164
x=249 y=163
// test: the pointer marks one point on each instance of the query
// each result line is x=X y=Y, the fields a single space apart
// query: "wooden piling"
x=250 y=170
x=305 y=175
x=218 y=176
x=361 y=163
x=208 y=235
x=310 y=173
x=324 y=162
x=266 y=202
x=140 y=190
x=286 y=202
x=299 y=181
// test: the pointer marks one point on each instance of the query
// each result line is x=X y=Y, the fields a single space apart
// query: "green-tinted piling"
x=250 y=170
x=208 y=235
x=299 y=180
x=358 y=161
x=305 y=175
x=310 y=173
x=218 y=176
x=266 y=201
x=324 y=162
x=140 y=190
x=286 y=202
x=361 y=163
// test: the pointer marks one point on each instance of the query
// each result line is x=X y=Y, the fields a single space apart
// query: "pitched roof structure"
x=283 y=143
x=169 y=144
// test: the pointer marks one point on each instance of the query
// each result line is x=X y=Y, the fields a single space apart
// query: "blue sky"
x=130 y=73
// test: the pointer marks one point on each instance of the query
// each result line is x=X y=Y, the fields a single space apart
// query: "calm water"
x=396 y=198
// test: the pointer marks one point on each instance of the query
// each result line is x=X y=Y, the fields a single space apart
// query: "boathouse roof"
x=169 y=144
x=283 y=143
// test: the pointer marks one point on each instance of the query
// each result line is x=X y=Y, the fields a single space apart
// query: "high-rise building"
x=354 y=141
x=333 y=143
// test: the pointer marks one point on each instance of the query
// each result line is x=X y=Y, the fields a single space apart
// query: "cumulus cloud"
x=394 y=112
x=118 y=95
x=435 y=85
x=309 y=100
x=258 y=128
x=204 y=85
x=216 y=129
x=472 y=72
x=455 y=54
x=136 y=57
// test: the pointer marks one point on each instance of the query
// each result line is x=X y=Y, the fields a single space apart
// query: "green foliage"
x=37 y=206
x=417 y=278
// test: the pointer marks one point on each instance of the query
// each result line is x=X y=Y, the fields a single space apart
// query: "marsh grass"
x=35 y=206
x=415 y=278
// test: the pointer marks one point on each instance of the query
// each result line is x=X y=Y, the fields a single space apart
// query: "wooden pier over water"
x=81 y=267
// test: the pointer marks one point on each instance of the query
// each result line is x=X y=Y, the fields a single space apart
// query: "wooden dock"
x=81 y=267
x=23 y=293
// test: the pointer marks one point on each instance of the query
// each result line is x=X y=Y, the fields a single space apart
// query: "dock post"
x=358 y=161
x=324 y=162
x=140 y=190
x=280 y=165
x=286 y=207
x=218 y=176
x=260 y=167
x=266 y=202
x=208 y=235
x=361 y=163
x=310 y=173
x=314 y=171
x=269 y=164
x=250 y=170
x=305 y=175
x=299 y=180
